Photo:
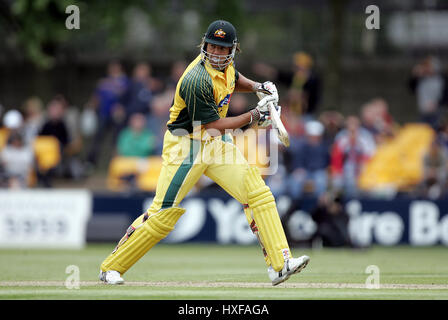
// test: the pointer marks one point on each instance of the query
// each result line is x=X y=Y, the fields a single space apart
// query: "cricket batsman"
x=195 y=143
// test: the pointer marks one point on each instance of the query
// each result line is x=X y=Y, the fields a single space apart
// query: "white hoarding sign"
x=44 y=218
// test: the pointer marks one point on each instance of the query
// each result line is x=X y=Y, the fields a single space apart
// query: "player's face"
x=217 y=54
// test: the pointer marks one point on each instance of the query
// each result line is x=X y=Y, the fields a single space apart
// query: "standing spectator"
x=352 y=148
x=75 y=168
x=303 y=82
x=34 y=118
x=111 y=114
x=430 y=88
x=16 y=162
x=55 y=124
x=138 y=96
x=306 y=84
x=136 y=140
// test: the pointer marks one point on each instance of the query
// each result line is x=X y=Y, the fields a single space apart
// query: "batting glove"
x=261 y=113
x=267 y=89
x=265 y=119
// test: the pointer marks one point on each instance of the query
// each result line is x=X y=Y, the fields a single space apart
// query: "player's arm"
x=244 y=84
x=229 y=123
x=197 y=93
x=260 y=112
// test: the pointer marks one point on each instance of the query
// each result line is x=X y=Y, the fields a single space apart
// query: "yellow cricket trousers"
x=185 y=160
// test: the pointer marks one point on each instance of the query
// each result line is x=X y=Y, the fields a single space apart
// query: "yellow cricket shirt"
x=202 y=94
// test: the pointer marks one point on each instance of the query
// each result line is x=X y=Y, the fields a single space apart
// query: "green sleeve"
x=122 y=144
x=197 y=91
x=149 y=143
x=132 y=145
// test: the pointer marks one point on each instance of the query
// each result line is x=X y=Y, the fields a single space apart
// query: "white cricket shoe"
x=291 y=266
x=111 y=277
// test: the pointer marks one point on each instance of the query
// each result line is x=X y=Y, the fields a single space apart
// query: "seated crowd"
x=328 y=151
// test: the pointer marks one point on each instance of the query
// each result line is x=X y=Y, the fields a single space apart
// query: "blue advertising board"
x=213 y=216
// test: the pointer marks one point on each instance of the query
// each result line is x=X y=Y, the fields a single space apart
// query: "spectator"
x=73 y=152
x=55 y=124
x=309 y=162
x=293 y=124
x=332 y=222
x=156 y=85
x=111 y=114
x=295 y=127
x=13 y=120
x=435 y=163
x=138 y=96
x=352 y=148
x=303 y=82
x=443 y=135
x=177 y=69
x=136 y=140
x=376 y=119
x=430 y=88
x=34 y=118
x=16 y=162
x=333 y=122
x=156 y=122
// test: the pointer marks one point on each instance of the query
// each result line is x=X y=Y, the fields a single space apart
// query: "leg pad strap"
x=264 y=210
x=155 y=228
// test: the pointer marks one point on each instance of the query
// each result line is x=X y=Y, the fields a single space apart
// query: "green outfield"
x=227 y=272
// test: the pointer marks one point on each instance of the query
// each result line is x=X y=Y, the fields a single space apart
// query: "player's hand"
x=263 y=104
x=261 y=112
x=267 y=89
x=268 y=120
x=265 y=117
x=265 y=120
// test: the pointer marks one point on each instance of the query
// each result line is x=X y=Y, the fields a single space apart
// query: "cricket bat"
x=277 y=124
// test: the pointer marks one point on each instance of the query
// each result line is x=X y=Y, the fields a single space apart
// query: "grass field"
x=213 y=272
